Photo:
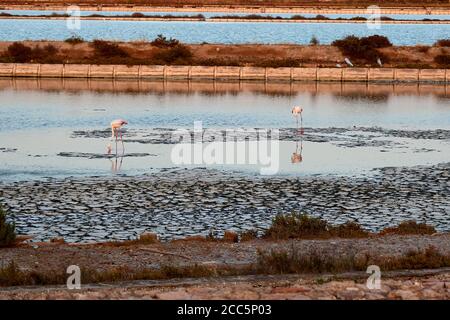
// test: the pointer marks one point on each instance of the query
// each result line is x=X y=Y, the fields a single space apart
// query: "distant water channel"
x=218 y=32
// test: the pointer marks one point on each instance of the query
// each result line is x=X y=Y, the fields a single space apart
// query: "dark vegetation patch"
x=301 y=226
x=409 y=227
x=7 y=230
x=442 y=43
x=12 y=275
x=294 y=261
x=20 y=53
x=74 y=40
x=443 y=60
x=169 y=51
x=363 y=49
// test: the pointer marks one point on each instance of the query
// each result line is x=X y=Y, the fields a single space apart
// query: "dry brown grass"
x=12 y=275
x=144 y=239
x=268 y=262
x=248 y=235
x=294 y=261
x=301 y=226
x=282 y=55
x=409 y=227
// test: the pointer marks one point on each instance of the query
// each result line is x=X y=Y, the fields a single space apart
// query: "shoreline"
x=224 y=20
x=438 y=10
x=266 y=74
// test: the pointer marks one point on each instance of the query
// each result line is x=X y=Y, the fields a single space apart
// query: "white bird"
x=347 y=61
x=338 y=65
x=116 y=125
x=297 y=111
x=379 y=62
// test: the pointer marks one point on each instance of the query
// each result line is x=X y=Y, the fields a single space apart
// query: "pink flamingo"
x=297 y=111
x=297 y=156
x=116 y=125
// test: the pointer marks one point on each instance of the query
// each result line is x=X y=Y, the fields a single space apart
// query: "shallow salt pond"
x=51 y=132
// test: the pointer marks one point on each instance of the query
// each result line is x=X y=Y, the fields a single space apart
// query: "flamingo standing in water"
x=296 y=112
x=116 y=125
x=297 y=156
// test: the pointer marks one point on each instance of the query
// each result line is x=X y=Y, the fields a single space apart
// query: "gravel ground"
x=284 y=287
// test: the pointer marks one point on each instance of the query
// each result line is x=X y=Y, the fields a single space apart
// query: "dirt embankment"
x=54 y=257
x=184 y=264
x=259 y=55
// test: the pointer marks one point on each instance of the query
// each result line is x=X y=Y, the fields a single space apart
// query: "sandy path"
x=306 y=287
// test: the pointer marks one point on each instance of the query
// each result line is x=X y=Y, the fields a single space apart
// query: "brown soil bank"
x=76 y=51
x=46 y=263
x=294 y=244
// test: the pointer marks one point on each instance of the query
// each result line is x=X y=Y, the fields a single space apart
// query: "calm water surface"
x=40 y=117
x=218 y=32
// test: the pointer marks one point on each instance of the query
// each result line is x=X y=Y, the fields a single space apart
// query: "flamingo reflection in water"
x=297 y=155
x=116 y=163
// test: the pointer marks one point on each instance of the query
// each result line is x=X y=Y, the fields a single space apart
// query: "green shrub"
x=314 y=41
x=321 y=17
x=248 y=235
x=296 y=225
x=138 y=15
x=442 y=43
x=358 y=18
x=443 y=60
x=348 y=230
x=163 y=42
x=284 y=261
x=7 y=230
x=74 y=40
x=376 y=41
x=19 y=52
x=297 y=17
x=178 y=54
x=364 y=48
x=410 y=227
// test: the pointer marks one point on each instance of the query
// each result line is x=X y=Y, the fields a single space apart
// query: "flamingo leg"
x=123 y=146
x=115 y=134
